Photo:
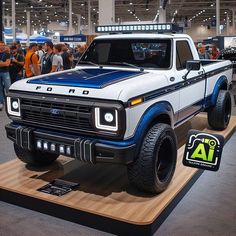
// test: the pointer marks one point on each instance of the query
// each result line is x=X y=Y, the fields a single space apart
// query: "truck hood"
x=86 y=78
x=108 y=83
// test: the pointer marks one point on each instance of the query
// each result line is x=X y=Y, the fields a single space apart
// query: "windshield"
x=145 y=53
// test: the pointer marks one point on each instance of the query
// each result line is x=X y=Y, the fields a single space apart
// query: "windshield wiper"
x=126 y=64
x=90 y=63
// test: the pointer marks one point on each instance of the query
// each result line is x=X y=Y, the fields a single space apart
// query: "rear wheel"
x=35 y=158
x=154 y=168
x=219 y=115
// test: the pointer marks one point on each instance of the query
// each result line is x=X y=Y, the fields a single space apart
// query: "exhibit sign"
x=203 y=150
x=73 y=38
x=230 y=42
x=58 y=187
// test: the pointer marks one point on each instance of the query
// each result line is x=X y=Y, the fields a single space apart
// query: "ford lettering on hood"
x=88 y=78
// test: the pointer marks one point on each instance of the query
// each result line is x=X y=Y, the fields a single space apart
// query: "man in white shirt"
x=40 y=51
x=57 y=62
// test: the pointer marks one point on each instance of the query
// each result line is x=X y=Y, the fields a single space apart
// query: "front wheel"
x=153 y=170
x=35 y=158
x=219 y=115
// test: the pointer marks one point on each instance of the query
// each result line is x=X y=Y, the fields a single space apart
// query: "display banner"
x=73 y=38
x=203 y=150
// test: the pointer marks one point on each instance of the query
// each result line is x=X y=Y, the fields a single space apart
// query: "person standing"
x=20 y=49
x=31 y=61
x=5 y=81
x=47 y=58
x=40 y=51
x=214 y=52
x=16 y=65
x=203 y=54
x=67 y=58
x=80 y=51
x=57 y=63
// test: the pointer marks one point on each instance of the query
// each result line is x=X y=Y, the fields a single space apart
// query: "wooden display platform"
x=104 y=200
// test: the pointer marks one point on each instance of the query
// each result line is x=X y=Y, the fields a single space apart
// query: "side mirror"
x=192 y=65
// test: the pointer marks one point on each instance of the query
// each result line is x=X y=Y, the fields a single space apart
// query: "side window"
x=183 y=54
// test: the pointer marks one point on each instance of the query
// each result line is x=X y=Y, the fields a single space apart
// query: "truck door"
x=192 y=89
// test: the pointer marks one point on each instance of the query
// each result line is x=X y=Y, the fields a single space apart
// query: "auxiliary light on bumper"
x=82 y=148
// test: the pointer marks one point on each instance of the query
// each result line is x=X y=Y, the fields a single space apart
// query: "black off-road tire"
x=219 y=115
x=154 y=167
x=35 y=158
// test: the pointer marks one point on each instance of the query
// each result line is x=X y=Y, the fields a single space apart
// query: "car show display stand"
x=104 y=198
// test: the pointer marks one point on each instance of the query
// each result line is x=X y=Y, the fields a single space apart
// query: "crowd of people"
x=17 y=63
x=206 y=52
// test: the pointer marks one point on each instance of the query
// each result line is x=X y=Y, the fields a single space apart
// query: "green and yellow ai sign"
x=203 y=150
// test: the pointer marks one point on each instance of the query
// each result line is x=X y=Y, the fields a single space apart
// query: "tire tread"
x=141 y=172
x=216 y=115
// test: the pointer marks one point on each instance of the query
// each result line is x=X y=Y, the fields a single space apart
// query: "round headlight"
x=108 y=117
x=15 y=105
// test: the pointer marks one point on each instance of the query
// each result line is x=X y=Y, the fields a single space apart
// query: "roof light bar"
x=160 y=28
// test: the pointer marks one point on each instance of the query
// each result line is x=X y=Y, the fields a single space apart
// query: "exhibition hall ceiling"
x=46 y=11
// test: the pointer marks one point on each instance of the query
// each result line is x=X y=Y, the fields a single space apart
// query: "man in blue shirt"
x=16 y=65
x=5 y=81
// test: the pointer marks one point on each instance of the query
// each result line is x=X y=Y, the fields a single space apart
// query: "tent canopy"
x=37 y=38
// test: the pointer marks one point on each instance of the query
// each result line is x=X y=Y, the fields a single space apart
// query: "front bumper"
x=82 y=148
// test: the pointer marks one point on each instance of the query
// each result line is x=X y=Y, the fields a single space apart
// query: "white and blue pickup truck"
x=120 y=104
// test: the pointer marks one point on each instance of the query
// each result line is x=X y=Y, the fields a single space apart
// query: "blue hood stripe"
x=88 y=78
